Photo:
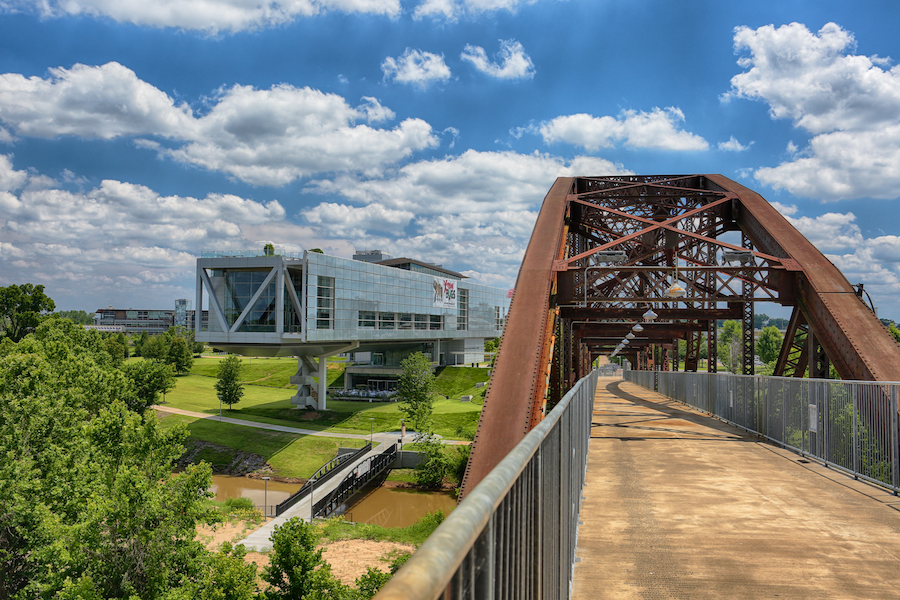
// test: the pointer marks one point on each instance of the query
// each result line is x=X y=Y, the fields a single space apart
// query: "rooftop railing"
x=248 y=253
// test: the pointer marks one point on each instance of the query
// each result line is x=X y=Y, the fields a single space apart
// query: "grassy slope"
x=289 y=454
x=271 y=404
x=294 y=455
x=269 y=372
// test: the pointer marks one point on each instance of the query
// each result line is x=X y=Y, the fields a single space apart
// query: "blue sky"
x=134 y=135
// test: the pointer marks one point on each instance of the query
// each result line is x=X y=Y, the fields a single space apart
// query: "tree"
x=149 y=380
x=115 y=349
x=89 y=507
x=22 y=307
x=79 y=317
x=768 y=346
x=269 y=250
x=228 y=388
x=435 y=465
x=414 y=391
x=894 y=332
x=296 y=569
x=179 y=355
x=139 y=345
x=729 y=348
x=156 y=348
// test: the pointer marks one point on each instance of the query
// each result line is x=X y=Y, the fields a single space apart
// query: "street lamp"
x=266 y=497
x=637 y=328
x=650 y=315
x=630 y=336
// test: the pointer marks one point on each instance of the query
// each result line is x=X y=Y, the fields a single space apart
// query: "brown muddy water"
x=390 y=507
x=383 y=506
x=230 y=486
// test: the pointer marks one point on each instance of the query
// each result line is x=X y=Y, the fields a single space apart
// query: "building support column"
x=312 y=393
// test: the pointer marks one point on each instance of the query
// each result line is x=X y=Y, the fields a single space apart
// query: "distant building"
x=182 y=306
x=314 y=306
x=151 y=321
x=135 y=321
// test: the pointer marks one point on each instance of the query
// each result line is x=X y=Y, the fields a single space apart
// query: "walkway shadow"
x=666 y=410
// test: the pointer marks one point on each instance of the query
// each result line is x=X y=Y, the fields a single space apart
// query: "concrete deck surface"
x=680 y=505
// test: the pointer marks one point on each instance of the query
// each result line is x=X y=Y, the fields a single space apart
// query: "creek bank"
x=224 y=460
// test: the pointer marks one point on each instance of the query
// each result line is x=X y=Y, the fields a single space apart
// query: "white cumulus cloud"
x=474 y=211
x=849 y=103
x=452 y=10
x=732 y=145
x=513 y=62
x=264 y=137
x=416 y=67
x=210 y=16
x=657 y=129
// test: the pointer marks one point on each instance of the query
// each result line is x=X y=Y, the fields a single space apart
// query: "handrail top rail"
x=431 y=567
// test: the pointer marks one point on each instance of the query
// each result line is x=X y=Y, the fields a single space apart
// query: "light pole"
x=371 y=429
x=266 y=498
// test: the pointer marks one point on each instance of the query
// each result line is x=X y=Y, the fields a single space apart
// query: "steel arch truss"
x=605 y=249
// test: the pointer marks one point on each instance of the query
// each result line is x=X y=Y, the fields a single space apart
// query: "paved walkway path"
x=680 y=505
x=378 y=438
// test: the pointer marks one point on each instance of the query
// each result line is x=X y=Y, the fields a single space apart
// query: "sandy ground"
x=348 y=559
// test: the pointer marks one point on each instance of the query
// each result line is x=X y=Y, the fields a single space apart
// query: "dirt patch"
x=310 y=415
x=213 y=536
x=227 y=461
x=350 y=559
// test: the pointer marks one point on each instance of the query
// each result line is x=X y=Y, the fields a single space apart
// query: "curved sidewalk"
x=680 y=505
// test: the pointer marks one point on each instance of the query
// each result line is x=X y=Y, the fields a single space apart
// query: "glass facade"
x=344 y=300
x=236 y=287
x=372 y=302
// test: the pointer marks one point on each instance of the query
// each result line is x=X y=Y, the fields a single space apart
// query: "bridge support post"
x=818 y=360
x=747 y=346
x=712 y=346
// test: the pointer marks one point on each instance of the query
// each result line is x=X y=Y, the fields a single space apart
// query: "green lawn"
x=272 y=405
x=290 y=455
x=269 y=372
x=265 y=404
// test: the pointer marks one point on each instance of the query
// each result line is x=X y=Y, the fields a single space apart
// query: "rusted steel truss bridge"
x=673 y=254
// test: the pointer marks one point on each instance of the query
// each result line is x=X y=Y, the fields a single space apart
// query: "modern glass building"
x=314 y=306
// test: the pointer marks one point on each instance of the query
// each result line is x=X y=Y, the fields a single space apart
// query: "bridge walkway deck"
x=681 y=505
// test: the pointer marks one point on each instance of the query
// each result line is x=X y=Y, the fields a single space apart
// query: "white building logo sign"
x=444 y=292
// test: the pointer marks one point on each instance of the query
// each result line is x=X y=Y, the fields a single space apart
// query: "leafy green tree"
x=149 y=380
x=414 y=389
x=22 y=307
x=139 y=344
x=88 y=506
x=179 y=355
x=229 y=389
x=368 y=584
x=156 y=348
x=79 y=317
x=436 y=464
x=768 y=345
x=115 y=349
x=222 y=575
x=296 y=569
x=729 y=347
x=269 y=250
x=894 y=332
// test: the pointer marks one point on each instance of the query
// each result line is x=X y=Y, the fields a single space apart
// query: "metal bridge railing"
x=850 y=425
x=513 y=536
